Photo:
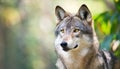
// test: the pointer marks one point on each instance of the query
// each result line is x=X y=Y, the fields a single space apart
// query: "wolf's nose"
x=63 y=44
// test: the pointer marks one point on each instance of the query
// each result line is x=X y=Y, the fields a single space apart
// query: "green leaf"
x=113 y=17
x=106 y=27
x=117 y=4
x=106 y=42
x=100 y=16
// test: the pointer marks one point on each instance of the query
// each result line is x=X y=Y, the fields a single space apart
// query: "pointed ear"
x=84 y=13
x=60 y=13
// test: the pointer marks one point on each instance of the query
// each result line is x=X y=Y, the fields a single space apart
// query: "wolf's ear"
x=60 y=13
x=84 y=13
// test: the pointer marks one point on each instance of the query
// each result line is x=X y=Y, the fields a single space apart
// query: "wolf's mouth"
x=76 y=46
x=67 y=49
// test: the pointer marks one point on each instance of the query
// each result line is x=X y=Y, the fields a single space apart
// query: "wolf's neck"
x=79 y=60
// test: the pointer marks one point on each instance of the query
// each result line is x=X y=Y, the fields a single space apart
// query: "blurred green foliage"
x=108 y=26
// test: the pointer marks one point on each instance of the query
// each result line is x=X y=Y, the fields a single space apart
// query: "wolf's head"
x=73 y=31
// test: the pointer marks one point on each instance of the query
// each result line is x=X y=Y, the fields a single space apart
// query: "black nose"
x=63 y=44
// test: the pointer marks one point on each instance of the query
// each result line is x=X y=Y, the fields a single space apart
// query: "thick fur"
x=76 y=43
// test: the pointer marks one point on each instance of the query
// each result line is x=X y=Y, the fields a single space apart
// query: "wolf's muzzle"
x=65 y=47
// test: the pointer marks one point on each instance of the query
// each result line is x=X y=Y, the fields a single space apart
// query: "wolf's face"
x=73 y=31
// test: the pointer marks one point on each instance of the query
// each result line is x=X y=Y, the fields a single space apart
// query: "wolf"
x=76 y=43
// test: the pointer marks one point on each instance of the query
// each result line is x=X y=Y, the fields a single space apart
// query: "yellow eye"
x=62 y=30
x=76 y=30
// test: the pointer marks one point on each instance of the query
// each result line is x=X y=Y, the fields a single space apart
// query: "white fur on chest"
x=84 y=52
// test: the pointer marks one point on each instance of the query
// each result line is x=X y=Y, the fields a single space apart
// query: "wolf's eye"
x=62 y=30
x=76 y=30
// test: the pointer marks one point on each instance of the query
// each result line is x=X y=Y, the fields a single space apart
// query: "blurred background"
x=27 y=30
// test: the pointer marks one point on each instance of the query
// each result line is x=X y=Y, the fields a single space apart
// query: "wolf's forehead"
x=71 y=22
